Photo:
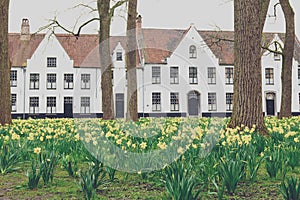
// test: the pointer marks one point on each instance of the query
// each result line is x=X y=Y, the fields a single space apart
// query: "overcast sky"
x=205 y=14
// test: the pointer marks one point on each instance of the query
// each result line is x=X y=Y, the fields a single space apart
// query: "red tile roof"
x=158 y=45
x=84 y=50
x=21 y=50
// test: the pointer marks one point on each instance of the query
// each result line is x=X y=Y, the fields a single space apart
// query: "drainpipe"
x=24 y=90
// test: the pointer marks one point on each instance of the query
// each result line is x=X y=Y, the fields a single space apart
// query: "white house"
x=180 y=73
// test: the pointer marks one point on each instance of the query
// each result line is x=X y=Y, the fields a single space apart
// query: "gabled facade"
x=180 y=73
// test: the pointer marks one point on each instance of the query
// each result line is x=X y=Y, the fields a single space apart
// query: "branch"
x=57 y=24
x=86 y=6
x=274 y=10
x=115 y=6
x=276 y=50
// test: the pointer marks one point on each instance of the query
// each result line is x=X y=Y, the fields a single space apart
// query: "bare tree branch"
x=274 y=10
x=276 y=51
x=86 y=6
x=115 y=6
x=55 y=23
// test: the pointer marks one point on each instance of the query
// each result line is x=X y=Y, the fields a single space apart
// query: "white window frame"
x=85 y=105
x=229 y=74
x=13 y=102
x=193 y=75
x=212 y=101
x=85 y=81
x=156 y=101
x=119 y=56
x=51 y=105
x=156 y=74
x=269 y=76
x=51 y=81
x=13 y=78
x=174 y=75
x=34 y=81
x=174 y=101
x=68 y=81
x=229 y=101
x=34 y=105
x=193 y=51
x=51 y=62
x=211 y=75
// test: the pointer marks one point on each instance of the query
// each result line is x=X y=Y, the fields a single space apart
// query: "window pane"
x=156 y=101
x=156 y=75
x=51 y=62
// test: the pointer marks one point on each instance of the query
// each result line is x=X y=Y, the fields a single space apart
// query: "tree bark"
x=287 y=60
x=132 y=111
x=105 y=59
x=249 y=17
x=5 y=101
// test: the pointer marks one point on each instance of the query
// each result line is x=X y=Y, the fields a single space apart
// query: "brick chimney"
x=139 y=22
x=25 y=30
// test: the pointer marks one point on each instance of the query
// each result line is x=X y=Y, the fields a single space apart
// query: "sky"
x=179 y=14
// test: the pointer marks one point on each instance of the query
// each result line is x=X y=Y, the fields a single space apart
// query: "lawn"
x=155 y=158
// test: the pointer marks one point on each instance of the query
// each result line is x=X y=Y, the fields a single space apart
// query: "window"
x=68 y=81
x=229 y=100
x=85 y=105
x=229 y=76
x=13 y=102
x=68 y=100
x=277 y=56
x=119 y=56
x=34 y=81
x=13 y=78
x=51 y=62
x=269 y=76
x=193 y=75
x=51 y=81
x=174 y=101
x=156 y=101
x=51 y=104
x=33 y=104
x=298 y=74
x=155 y=75
x=174 y=76
x=212 y=101
x=211 y=74
x=85 y=81
x=299 y=100
x=193 y=51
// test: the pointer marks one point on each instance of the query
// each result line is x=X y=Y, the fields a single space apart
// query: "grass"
x=126 y=186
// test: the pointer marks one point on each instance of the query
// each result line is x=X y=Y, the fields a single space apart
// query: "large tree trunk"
x=249 y=17
x=5 y=102
x=105 y=59
x=287 y=60
x=132 y=111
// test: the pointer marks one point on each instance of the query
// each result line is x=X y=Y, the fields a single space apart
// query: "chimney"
x=25 y=30
x=139 y=22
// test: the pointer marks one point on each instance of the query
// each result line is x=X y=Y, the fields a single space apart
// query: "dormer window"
x=119 y=56
x=193 y=51
x=51 y=62
x=276 y=56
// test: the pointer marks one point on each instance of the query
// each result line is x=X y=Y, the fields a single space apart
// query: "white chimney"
x=25 y=30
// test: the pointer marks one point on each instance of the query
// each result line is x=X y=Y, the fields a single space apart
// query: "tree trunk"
x=5 y=102
x=105 y=59
x=132 y=111
x=247 y=98
x=287 y=60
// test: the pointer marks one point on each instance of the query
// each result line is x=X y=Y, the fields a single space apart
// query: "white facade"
x=190 y=82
